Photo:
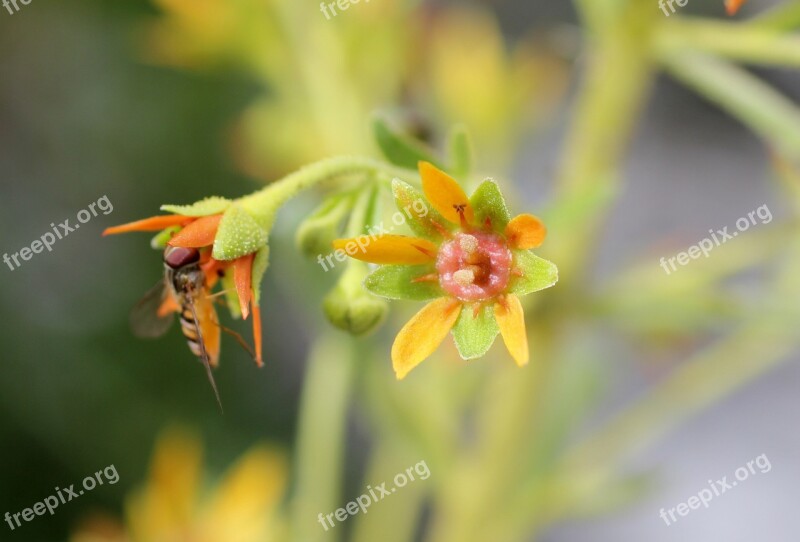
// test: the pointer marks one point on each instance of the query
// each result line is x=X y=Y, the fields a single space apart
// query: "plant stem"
x=264 y=204
x=321 y=442
x=616 y=85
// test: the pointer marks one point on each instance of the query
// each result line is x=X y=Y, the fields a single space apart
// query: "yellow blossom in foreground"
x=175 y=505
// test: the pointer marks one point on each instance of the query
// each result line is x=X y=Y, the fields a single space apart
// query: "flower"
x=228 y=236
x=470 y=257
x=242 y=507
x=732 y=6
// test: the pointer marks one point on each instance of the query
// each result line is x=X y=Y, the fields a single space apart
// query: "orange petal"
x=242 y=270
x=388 y=249
x=257 y=329
x=211 y=269
x=154 y=223
x=445 y=194
x=170 y=304
x=732 y=6
x=423 y=334
x=511 y=321
x=209 y=327
x=526 y=231
x=199 y=233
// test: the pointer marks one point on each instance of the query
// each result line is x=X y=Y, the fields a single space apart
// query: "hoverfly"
x=184 y=290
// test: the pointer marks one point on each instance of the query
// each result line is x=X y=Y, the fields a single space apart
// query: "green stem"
x=402 y=513
x=763 y=109
x=782 y=18
x=748 y=43
x=321 y=443
x=615 y=87
x=264 y=204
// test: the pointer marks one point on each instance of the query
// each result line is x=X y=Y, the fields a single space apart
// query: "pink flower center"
x=474 y=266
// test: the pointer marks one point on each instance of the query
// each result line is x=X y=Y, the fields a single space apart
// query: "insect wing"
x=146 y=323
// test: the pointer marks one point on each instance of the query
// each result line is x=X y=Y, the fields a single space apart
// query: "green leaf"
x=420 y=216
x=238 y=235
x=461 y=154
x=396 y=282
x=400 y=149
x=537 y=272
x=260 y=264
x=474 y=335
x=159 y=242
x=205 y=207
x=488 y=202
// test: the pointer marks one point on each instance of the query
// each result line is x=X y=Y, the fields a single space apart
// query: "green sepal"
x=397 y=282
x=420 y=215
x=316 y=233
x=159 y=242
x=537 y=273
x=461 y=152
x=231 y=295
x=213 y=205
x=488 y=202
x=238 y=235
x=474 y=335
x=260 y=264
x=398 y=148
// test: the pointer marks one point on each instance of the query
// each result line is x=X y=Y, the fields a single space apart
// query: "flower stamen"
x=464 y=277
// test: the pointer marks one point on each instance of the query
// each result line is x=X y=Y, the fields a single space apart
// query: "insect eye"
x=177 y=257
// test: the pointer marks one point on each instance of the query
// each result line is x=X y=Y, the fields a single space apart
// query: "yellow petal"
x=526 y=231
x=388 y=249
x=511 y=321
x=444 y=193
x=423 y=334
x=247 y=495
x=168 y=502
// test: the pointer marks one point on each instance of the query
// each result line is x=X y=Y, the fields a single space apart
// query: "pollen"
x=464 y=277
x=475 y=266
x=468 y=243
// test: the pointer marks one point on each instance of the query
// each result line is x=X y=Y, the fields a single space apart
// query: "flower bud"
x=350 y=307
x=315 y=234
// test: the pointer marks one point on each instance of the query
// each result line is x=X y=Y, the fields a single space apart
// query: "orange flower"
x=199 y=228
x=470 y=255
x=732 y=6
